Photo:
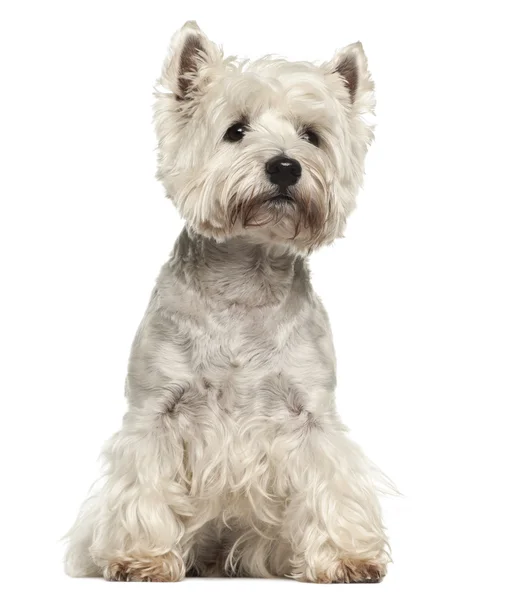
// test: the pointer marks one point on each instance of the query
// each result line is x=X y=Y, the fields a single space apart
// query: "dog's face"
x=269 y=149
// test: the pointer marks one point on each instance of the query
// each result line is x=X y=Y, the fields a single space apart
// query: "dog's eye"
x=236 y=132
x=311 y=137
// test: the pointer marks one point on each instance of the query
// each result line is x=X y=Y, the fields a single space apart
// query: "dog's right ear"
x=190 y=62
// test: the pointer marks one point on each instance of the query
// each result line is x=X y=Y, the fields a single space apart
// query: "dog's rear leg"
x=132 y=529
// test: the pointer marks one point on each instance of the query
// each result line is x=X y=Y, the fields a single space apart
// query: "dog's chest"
x=233 y=361
x=252 y=377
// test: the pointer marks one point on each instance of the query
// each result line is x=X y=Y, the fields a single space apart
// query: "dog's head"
x=270 y=149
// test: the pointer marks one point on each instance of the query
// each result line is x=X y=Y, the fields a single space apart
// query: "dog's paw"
x=168 y=567
x=350 y=570
x=354 y=570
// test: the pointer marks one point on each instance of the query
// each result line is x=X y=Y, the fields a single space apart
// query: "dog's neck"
x=239 y=271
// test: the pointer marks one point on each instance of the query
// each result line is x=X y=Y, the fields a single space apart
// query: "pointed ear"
x=191 y=53
x=350 y=64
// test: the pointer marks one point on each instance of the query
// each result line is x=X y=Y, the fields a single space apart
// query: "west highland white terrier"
x=231 y=459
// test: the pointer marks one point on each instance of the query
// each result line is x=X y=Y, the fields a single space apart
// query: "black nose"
x=283 y=171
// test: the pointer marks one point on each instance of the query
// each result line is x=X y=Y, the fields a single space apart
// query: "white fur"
x=231 y=458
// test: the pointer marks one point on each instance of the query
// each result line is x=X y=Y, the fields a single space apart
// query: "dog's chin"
x=281 y=217
x=274 y=218
x=267 y=211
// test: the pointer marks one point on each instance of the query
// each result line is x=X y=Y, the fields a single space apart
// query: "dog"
x=231 y=460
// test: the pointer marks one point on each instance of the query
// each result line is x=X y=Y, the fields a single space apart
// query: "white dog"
x=231 y=459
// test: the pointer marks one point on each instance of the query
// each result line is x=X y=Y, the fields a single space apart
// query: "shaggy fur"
x=231 y=459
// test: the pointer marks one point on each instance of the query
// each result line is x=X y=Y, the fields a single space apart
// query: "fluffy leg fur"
x=132 y=529
x=333 y=520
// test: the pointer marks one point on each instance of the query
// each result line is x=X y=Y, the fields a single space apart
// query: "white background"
x=417 y=291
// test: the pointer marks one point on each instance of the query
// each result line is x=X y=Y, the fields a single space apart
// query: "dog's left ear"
x=350 y=64
x=190 y=62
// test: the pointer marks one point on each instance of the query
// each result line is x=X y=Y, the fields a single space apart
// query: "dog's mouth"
x=280 y=199
x=287 y=212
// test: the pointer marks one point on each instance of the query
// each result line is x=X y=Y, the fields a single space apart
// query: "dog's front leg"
x=333 y=520
x=132 y=530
